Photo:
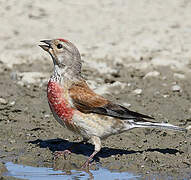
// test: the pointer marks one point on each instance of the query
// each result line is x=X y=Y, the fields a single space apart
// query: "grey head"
x=64 y=55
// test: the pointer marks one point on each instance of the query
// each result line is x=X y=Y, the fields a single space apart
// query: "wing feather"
x=87 y=101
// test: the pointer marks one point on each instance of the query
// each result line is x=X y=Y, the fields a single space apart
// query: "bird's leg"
x=97 y=142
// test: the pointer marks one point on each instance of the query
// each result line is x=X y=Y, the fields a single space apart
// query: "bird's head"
x=64 y=54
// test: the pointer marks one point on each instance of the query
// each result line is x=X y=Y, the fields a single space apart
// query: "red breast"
x=58 y=103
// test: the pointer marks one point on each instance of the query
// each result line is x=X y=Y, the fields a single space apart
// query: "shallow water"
x=43 y=173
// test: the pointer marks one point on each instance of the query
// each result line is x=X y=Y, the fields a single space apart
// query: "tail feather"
x=166 y=126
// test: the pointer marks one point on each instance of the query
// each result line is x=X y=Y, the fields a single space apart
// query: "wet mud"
x=29 y=134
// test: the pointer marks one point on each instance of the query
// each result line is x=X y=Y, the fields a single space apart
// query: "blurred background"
x=110 y=29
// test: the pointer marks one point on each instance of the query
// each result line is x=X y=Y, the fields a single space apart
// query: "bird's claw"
x=64 y=153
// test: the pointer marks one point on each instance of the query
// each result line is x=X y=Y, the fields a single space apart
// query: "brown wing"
x=87 y=101
x=84 y=98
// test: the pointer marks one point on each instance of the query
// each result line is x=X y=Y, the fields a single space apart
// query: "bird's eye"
x=59 y=46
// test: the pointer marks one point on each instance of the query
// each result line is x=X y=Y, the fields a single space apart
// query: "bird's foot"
x=88 y=161
x=64 y=153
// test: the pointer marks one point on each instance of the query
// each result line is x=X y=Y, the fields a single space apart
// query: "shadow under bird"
x=78 y=108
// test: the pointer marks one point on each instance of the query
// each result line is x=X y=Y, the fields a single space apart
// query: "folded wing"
x=87 y=101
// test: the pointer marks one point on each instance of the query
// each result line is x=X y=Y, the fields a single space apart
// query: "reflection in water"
x=42 y=173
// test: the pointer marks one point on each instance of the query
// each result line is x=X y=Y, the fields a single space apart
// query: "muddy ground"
x=136 y=53
x=30 y=135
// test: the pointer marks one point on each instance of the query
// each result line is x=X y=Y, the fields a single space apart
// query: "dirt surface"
x=30 y=135
x=143 y=65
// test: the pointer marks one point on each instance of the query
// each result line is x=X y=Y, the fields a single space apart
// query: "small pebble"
x=152 y=74
x=3 y=101
x=176 y=88
x=138 y=91
x=28 y=86
x=12 y=141
x=12 y=103
x=127 y=105
x=128 y=84
x=165 y=95
x=21 y=83
x=47 y=115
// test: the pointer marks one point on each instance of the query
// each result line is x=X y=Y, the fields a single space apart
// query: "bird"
x=77 y=107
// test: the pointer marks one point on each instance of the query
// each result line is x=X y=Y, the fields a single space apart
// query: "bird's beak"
x=47 y=46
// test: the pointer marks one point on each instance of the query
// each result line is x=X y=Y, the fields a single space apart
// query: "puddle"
x=42 y=173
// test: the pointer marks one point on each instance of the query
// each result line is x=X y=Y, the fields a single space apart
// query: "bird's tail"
x=166 y=126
